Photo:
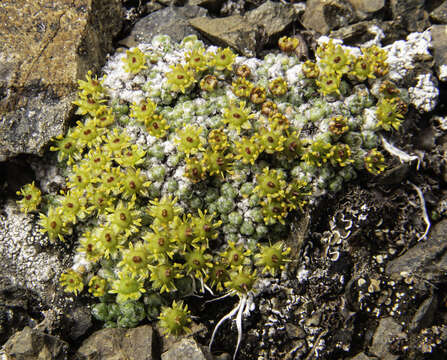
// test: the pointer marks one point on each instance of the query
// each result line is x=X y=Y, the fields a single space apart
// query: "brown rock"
x=172 y=21
x=426 y=260
x=367 y=6
x=387 y=331
x=103 y=344
x=46 y=46
x=425 y=314
x=168 y=341
x=367 y=9
x=186 y=348
x=275 y=17
x=439 y=14
x=323 y=16
x=410 y=14
x=362 y=356
x=357 y=33
x=118 y=344
x=80 y=320
x=138 y=343
x=233 y=31
x=30 y=344
x=439 y=42
x=213 y=5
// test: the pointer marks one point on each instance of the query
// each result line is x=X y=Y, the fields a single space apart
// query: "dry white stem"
x=424 y=211
x=239 y=323
x=238 y=310
x=402 y=155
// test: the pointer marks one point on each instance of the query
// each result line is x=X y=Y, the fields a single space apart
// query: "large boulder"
x=46 y=47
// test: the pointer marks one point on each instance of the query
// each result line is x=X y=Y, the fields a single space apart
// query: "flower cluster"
x=32 y=197
x=177 y=182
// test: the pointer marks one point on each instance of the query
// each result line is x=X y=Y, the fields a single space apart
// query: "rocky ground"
x=364 y=283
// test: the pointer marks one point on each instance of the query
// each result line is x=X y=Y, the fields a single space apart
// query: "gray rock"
x=151 y=7
x=172 y=2
x=401 y=7
x=367 y=9
x=361 y=356
x=80 y=320
x=30 y=344
x=395 y=175
x=105 y=344
x=233 y=31
x=426 y=260
x=300 y=8
x=314 y=319
x=439 y=14
x=410 y=14
x=224 y=356
x=439 y=43
x=323 y=16
x=427 y=139
x=275 y=17
x=357 y=33
x=138 y=343
x=424 y=315
x=40 y=61
x=168 y=341
x=117 y=344
x=387 y=331
x=172 y=21
x=295 y=332
x=186 y=348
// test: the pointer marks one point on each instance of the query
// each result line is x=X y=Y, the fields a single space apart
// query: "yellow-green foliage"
x=278 y=87
x=174 y=320
x=72 y=281
x=288 y=44
x=242 y=87
x=177 y=201
x=336 y=63
x=128 y=286
x=180 y=78
x=223 y=59
x=135 y=61
x=375 y=162
x=388 y=115
x=97 y=286
x=273 y=257
x=241 y=280
x=52 y=224
x=31 y=198
x=237 y=117
x=189 y=139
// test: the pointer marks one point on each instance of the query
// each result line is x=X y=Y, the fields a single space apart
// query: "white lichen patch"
x=403 y=55
x=424 y=96
x=24 y=260
x=442 y=72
